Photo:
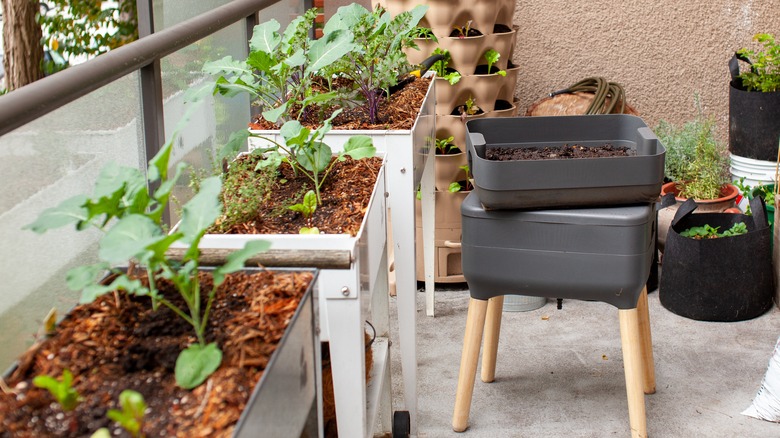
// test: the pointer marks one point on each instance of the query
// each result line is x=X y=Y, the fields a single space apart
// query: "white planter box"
x=409 y=157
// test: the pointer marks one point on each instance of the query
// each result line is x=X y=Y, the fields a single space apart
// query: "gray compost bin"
x=524 y=184
x=599 y=254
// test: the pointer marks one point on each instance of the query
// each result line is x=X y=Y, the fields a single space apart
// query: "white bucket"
x=522 y=303
x=756 y=172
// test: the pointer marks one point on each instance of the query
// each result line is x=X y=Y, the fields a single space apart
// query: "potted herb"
x=163 y=327
x=697 y=166
x=754 y=100
x=449 y=161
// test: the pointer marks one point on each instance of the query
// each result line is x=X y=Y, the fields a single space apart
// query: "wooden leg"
x=632 y=364
x=647 y=344
x=475 y=324
x=490 y=341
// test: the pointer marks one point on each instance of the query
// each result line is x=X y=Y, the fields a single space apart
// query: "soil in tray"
x=118 y=342
x=557 y=152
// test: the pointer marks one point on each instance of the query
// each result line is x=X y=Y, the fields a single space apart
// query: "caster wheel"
x=402 y=424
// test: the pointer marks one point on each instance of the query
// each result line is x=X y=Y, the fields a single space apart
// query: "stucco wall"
x=662 y=51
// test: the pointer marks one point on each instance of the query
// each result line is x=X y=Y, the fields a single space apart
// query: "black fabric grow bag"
x=754 y=124
x=724 y=279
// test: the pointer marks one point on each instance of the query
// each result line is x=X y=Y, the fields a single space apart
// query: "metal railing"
x=32 y=101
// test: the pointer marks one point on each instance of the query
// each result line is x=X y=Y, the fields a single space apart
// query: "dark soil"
x=118 y=342
x=397 y=112
x=501 y=28
x=458 y=33
x=557 y=152
x=345 y=196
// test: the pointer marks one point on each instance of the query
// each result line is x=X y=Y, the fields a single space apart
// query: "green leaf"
x=196 y=363
x=273 y=115
x=265 y=37
x=235 y=261
x=235 y=143
x=129 y=238
x=201 y=211
x=227 y=65
x=307 y=230
x=70 y=211
x=454 y=187
x=359 y=146
x=82 y=276
x=158 y=165
x=317 y=159
x=328 y=49
x=294 y=133
x=101 y=433
x=260 y=61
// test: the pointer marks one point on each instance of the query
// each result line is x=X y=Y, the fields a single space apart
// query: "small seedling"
x=492 y=57
x=307 y=209
x=457 y=186
x=61 y=390
x=131 y=416
x=445 y=146
x=463 y=31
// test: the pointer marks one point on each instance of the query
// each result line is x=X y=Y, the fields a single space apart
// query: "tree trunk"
x=22 y=40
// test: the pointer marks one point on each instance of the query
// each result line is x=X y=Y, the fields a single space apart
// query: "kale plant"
x=130 y=214
x=377 y=58
x=281 y=67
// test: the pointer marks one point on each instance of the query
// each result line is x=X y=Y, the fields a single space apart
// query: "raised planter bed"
x=524 y=184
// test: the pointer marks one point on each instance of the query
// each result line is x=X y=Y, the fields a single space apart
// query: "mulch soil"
x=397 y=112
x=557 y=152
x=118 y=342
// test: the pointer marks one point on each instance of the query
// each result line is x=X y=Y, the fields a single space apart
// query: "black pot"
x=754 y=125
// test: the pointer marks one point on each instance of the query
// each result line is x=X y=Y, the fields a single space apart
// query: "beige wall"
x=662 y=52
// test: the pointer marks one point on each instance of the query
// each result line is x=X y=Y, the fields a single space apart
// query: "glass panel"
x=41 y=164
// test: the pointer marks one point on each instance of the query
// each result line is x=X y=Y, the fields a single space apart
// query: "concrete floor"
x=560 y=373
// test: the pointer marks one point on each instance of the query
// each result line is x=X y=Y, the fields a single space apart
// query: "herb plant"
x=492 y=57
x=131 y=415
x=764 y=72
x=130 y=215
x=281 y=67
x=376 y=59
x=708 y=232
x=62 y=390
x=695 y=159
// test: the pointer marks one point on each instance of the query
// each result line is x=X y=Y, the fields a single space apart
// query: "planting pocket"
x=721 y=279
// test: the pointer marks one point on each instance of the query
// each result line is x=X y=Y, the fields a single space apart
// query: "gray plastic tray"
x=524 y=184
x=599 y=254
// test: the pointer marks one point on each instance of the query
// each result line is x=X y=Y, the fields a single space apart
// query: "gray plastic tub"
x=524 y=184
x=601 y=254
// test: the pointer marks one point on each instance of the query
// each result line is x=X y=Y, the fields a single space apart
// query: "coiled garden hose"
x=602 y=90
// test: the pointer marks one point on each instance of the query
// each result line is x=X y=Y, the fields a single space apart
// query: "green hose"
x=602 y=90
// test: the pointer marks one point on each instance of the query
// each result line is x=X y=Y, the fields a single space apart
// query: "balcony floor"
x=560 y=372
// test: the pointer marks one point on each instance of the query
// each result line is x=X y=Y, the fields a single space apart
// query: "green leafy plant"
x=130 y=214
x=708 y=232
x=457 y=186
x=376 y=60
x=492 y=57
x=695 y=159
x=281 y=68
x=307 y=209
x=765 y=191
x=424 y=33
x=305 y=151
x=442 y=68
x=764 y=72
x=446 y=146
x=62 y=390
x=469 y=108
x=131 y=415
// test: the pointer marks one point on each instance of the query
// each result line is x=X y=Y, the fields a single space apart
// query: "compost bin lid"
x=623 y=215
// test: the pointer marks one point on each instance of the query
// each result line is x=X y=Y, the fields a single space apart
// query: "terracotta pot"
x=665 y=215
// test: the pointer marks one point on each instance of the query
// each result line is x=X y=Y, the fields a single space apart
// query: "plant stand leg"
x=347 y=352
x=490 y=342
x=475 y=324
x=648 y=364
x=632 y=363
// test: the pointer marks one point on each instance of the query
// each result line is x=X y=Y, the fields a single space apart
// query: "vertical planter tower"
x=469 y=32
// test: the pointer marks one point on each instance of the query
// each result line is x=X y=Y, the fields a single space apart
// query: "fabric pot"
x=724 y=279
x=754 y=127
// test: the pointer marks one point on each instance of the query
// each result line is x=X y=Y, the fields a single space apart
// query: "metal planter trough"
x=556 y=183
x=599 y=254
